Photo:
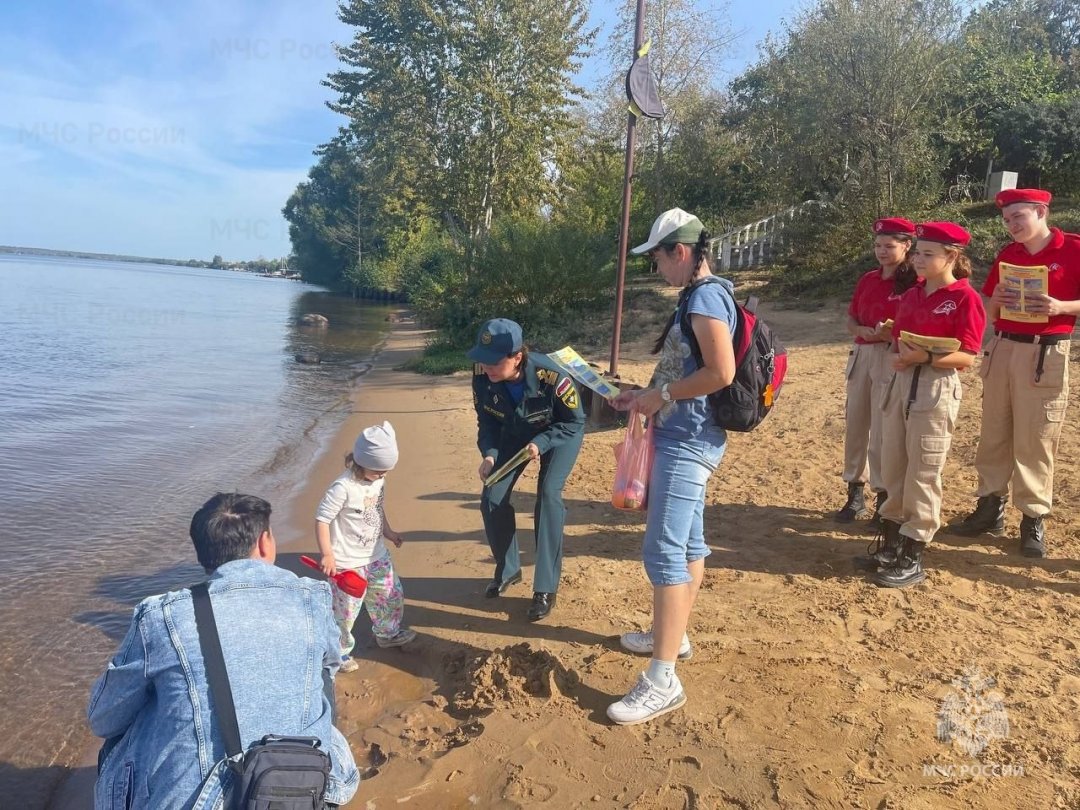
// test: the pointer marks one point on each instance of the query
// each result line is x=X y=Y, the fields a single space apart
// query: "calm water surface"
x=130 y=393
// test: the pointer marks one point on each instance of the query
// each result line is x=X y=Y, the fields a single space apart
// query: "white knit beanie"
x=376 y=448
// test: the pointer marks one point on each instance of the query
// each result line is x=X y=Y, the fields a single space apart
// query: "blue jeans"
x=675 y=529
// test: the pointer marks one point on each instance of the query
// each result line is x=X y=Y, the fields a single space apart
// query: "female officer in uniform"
x=923 y=399
x=1025 y=374
x=874 y=302
x=523 y=400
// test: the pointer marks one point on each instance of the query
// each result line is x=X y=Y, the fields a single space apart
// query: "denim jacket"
x=162 y=747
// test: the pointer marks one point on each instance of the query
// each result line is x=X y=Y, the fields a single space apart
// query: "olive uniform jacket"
x=550 y=412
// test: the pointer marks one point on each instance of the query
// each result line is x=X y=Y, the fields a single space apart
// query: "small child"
x=350 y=525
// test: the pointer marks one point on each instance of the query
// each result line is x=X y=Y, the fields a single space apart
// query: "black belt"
x=914 y=390
x=1042 y=340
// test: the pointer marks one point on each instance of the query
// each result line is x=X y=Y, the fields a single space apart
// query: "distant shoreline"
x=275 y=268
x=111 y=257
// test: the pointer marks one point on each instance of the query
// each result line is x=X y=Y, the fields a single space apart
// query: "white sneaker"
x=642 y=644
x=400 y=638
x=348 y=664
x=647 y=701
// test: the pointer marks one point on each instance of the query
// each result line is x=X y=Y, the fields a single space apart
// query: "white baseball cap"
x=672 y=227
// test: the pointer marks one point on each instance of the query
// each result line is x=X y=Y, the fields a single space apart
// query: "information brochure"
x=519 y=458
x=934 y=345
x=1026 y=282
x=575 y=367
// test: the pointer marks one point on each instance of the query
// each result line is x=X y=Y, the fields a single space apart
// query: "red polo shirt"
x=1062 y=257
x=873 y=301
x=954 y=311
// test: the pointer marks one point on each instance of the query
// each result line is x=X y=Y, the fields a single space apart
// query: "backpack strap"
x=216 y=673
x=684 y=315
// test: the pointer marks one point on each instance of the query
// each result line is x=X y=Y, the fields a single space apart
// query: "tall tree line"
x=465 y=135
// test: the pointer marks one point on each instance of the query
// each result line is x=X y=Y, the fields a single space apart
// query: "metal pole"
x=628 y=180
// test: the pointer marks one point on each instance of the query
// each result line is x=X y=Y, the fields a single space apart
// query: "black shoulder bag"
x=278 y=772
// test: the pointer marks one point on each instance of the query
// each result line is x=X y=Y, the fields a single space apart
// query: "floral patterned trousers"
x=384 y=600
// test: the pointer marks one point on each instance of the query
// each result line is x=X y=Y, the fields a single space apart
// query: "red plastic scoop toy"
x=349 y=581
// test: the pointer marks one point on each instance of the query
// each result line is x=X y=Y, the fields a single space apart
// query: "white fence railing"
x=750 y=245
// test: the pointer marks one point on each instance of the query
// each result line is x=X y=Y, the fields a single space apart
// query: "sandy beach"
x=809 y=687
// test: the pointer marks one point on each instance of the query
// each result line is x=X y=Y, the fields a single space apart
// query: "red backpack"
x=760 y=364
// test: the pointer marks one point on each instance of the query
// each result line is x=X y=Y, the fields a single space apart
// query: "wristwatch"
x=664 y=393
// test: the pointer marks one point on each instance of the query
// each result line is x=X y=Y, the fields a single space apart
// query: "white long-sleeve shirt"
x=354 y=511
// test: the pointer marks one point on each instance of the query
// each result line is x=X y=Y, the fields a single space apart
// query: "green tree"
x=460 y=107
x=1004 y=59
x=1041 y=139
x=845 y=104
x=331 y=216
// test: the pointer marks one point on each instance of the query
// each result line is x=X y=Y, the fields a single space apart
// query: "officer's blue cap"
x=497 y=339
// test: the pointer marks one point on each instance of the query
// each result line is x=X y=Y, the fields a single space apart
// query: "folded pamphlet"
x=519 y=458
x=572 y=364
x=934 y=345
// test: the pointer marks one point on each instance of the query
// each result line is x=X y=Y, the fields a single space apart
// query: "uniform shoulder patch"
x=567 y=393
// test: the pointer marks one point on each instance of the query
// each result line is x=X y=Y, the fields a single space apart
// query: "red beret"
x=1019 y=195
x=947 y=233
x=894 y=225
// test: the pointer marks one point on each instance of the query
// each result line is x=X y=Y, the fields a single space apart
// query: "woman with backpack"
x=688 y=446
x=873 y=306
x=937 y=333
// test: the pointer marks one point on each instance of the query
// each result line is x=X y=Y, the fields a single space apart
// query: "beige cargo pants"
x=1021 y=421
x=916 y=435
x=868 y=371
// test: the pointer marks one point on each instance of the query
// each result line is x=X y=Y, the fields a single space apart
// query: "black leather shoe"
x=495 y=588
x=541 y=606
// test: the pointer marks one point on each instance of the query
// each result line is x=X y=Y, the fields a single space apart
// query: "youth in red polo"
x=1062 y=257
x=954 y=311
x=874 y=301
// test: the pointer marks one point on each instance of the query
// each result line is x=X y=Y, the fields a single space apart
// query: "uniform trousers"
x=916 y=435
x=549 y=516
x=868 y=372
x=1021 y=421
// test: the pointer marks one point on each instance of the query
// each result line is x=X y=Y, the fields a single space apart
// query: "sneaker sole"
x=654 y=715
x=686 y=656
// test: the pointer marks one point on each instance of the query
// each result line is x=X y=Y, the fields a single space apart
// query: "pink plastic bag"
x=633 y=462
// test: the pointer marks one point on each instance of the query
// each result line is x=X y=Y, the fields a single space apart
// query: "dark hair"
x=904 y=277
x=227 y=527
x=701 y=254
x=524 y=355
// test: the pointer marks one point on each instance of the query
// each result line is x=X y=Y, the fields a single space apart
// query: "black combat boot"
x=883 y=550
x=855 y=508
x=906 y=570
x=988 y=518
x=1032 y=537
x=879 y=501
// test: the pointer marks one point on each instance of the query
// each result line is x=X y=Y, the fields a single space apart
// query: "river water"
x=130 y=393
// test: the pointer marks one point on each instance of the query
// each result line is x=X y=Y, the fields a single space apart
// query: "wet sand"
x=809 y=687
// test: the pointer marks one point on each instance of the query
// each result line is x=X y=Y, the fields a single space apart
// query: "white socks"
x=660 y=673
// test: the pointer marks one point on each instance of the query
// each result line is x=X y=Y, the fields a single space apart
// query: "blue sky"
x=179 y=129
